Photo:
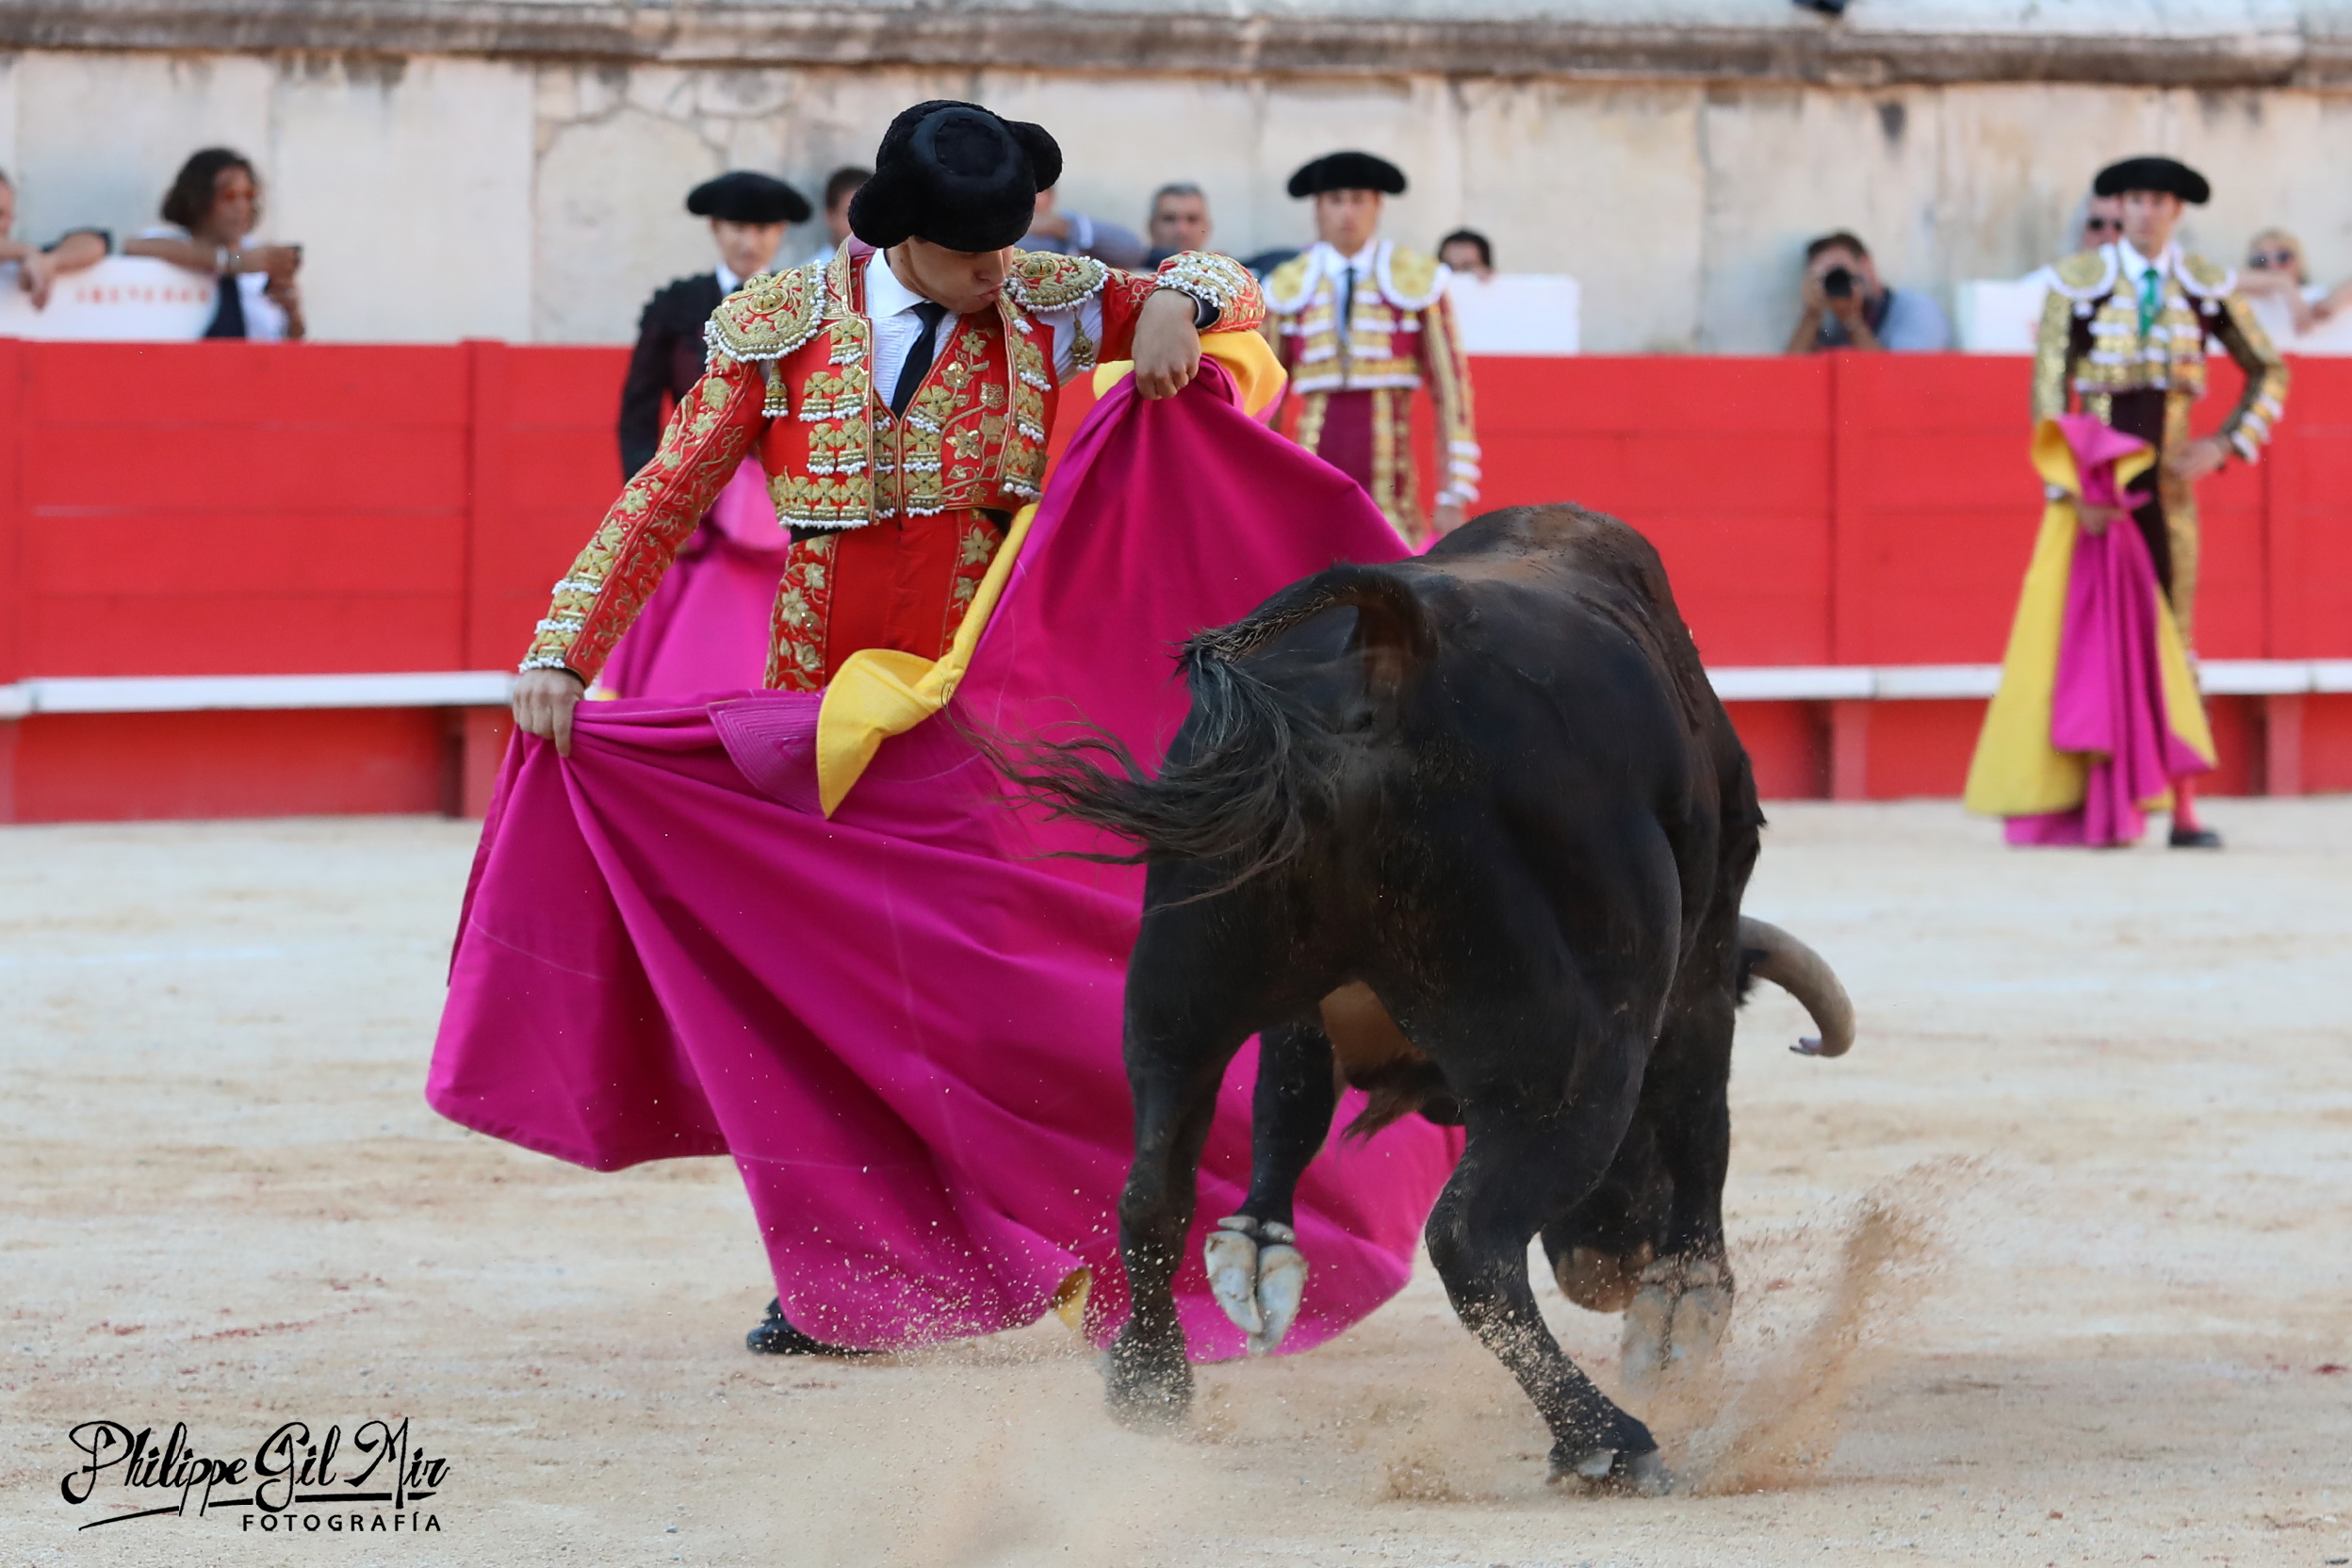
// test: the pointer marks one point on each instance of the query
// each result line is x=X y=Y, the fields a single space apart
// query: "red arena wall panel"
x=258 y=510
x=111 y=767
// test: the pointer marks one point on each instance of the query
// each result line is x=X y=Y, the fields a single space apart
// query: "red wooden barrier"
x=221 y=508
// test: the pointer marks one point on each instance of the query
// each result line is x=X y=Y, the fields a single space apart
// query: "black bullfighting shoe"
x=2195 y=838
x=776 y=1337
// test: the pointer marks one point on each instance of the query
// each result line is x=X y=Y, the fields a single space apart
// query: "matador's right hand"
x=2098 y=519
x=543 y=700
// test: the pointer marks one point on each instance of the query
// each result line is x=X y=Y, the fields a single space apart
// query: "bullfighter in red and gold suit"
x=1360 y=323
x=898 y=396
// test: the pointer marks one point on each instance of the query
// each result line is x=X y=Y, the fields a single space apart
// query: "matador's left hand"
x=2198 y=458
x=1168 y=346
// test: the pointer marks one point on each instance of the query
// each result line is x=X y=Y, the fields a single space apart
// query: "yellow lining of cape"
x=878 y=692
x=2016 y=771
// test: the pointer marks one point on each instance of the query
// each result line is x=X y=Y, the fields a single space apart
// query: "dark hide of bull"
x=1490 y=794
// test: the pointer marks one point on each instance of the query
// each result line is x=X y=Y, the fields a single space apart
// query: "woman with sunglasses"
x=2279 y=283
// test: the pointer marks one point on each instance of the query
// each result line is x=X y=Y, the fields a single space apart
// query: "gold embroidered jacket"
x=2092 y=345
x=790 y=375
x=1400 y=333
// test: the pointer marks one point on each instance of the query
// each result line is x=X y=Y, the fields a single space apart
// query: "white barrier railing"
x=491 y=688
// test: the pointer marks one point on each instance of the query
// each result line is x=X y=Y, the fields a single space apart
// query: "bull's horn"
x=1805 y=975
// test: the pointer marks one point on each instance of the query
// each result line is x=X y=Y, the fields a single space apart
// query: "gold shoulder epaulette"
x=1285 y=287
x=769 y=316
x=2208 y=280
x=2086 y=275
x=1408 y=278
x=1043 y=280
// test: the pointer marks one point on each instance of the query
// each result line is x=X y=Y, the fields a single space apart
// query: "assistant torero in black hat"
x=748 y=213
x=1362 y=322
x=2124 y=339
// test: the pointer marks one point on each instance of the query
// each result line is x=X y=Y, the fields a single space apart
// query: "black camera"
x=1837 y=282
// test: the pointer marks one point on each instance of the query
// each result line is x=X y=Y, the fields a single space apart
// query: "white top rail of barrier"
x=492 y=688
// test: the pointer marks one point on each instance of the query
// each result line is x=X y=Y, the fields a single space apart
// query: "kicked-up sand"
x=2051 y=1270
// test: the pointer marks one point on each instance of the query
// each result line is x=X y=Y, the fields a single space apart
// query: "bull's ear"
x=1393 y=636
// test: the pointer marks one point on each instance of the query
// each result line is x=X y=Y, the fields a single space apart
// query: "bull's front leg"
x=1174 y=1071
x=1256 y=1270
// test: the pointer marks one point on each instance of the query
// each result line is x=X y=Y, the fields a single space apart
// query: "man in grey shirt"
x=1074 y=233
x=1847 y=307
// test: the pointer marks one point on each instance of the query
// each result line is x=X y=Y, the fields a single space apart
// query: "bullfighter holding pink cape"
x=2098 y=712
x=808 y=927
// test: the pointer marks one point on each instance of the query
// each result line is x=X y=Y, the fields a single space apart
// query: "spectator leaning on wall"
x=748 y=213
x=1845 y=306
x=1179 y=221
x=213 y=203
x=36 y=267
x=1073 y=234
x=2276 y=275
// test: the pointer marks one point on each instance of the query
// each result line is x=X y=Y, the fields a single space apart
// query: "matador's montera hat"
x=1347 y=171
x=956 y=175
x=2169 y=175
x=742 y=196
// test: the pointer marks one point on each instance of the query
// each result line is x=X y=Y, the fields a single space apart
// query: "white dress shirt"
x=2136 y=265
x=890 y=305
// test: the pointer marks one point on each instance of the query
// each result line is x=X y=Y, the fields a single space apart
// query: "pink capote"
x=2109 y=697
x=903 y=1024
x=706 y=627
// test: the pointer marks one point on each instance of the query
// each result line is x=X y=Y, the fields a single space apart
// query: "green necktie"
x=2151 y=298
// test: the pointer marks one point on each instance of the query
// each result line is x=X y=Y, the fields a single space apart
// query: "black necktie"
x=1346 y=308
x=228 y=315
x=918 y=357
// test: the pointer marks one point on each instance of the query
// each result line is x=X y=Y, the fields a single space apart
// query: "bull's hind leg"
x=1598 y=1249
x=1519 y=1169
x=1682 y=1308
x=1256 y=1270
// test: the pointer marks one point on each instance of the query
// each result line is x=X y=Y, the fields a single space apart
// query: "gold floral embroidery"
x=769 y=316
x=804 y=611
x=977 y=537
x=1218 y=282
x=613 y=576
x=1043 y=280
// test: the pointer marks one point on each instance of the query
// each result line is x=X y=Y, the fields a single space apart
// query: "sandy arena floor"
x=2052 y=1269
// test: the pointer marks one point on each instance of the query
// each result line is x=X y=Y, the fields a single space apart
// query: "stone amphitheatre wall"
x=515 y=169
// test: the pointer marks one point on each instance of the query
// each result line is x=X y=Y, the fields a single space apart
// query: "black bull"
x=1489 y=796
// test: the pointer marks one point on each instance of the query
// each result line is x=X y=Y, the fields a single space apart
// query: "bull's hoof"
x=1676 y=1321
x=1613 y=1471
x=1150 y=1389
x=1598 y=1280
x=1258 y=1276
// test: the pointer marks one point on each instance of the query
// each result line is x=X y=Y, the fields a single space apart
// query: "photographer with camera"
x=1847 y=307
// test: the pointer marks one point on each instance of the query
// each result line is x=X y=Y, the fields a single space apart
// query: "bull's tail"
x=1261 y=763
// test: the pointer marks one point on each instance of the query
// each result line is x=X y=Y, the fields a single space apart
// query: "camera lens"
x=1837 y=282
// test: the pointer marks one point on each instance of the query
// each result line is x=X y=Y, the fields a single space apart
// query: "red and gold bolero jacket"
x=792 y=377
x=1400 y=336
